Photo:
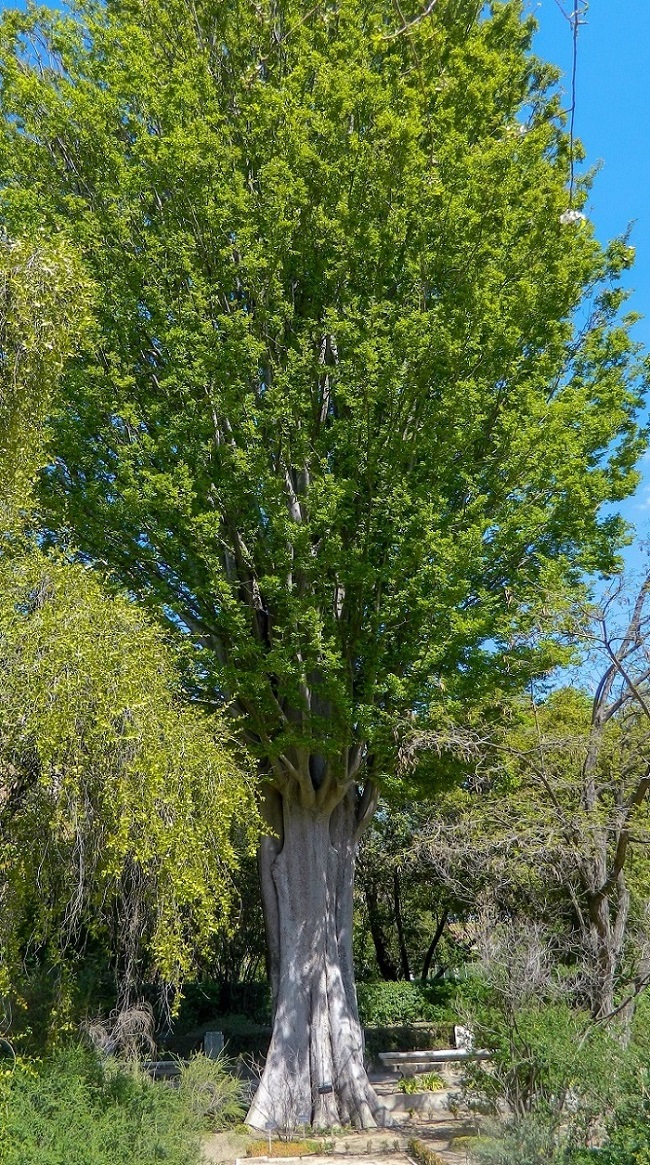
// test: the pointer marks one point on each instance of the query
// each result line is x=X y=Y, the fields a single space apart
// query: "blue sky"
x=613 y=121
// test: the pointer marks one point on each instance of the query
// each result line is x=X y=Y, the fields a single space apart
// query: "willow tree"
x=356 y=394
x=44 y=308
x=124 y=813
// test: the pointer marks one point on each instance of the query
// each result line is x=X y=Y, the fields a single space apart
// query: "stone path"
x=379 y=1147
x=366 y=1159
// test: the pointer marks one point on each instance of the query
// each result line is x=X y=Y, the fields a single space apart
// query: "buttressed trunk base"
x=314 y=1073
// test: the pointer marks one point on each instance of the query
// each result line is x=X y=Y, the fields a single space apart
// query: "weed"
x=427 y=1082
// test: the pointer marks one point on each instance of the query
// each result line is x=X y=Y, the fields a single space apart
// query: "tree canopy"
x=338 y=417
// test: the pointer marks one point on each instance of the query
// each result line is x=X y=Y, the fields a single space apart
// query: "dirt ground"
x=443 y=1133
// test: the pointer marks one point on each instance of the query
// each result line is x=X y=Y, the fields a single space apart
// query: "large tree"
x=355 y=397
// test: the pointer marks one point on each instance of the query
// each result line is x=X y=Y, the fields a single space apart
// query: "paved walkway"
x=450 y=1158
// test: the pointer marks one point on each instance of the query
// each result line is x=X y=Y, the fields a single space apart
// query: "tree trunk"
x=387 y=967
x=314 y=1072
x=399 y=922
x=602 y=942
x=433 y=946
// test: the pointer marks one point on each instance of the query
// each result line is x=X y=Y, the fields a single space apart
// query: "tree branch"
x=411 y=23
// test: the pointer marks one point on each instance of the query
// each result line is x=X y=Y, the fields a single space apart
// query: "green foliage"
x=74 y=1109
x=240 y=956
x=211 y=1092
x=609 y=1109
x=123 y=813
x=531 y=1140
x=44 y=310
x=399 y=906
x=423 y=1082
x=560 y=1083
x=385 y=1003
x=629 y=1146
x=121 y=804
x=627 y=1122
x=544 y=1053
x=339 y=417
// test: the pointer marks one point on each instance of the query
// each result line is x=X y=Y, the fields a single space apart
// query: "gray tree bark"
x=314 y=1072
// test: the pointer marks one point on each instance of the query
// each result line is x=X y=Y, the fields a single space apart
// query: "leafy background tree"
x=552 y=824
x=403 y=912
x=140 y=805
x=44 y=308
x=353 y=401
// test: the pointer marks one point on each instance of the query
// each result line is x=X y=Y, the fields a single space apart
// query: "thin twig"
x=411 y=23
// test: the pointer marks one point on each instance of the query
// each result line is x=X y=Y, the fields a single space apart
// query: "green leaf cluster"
x=44 y=308
x=355 y=396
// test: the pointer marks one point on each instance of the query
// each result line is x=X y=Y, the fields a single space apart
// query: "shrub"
x=212 y=1093
x=545 y=1058
x=384 y=1003
x=422 y=1154
x=74 y=1109
x=566 y=1082
x=425 y=1082
x=528 y=1141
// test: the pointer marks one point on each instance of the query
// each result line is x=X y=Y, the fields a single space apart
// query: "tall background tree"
x=551 y=826
x=402 y=928
x=353 y=402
